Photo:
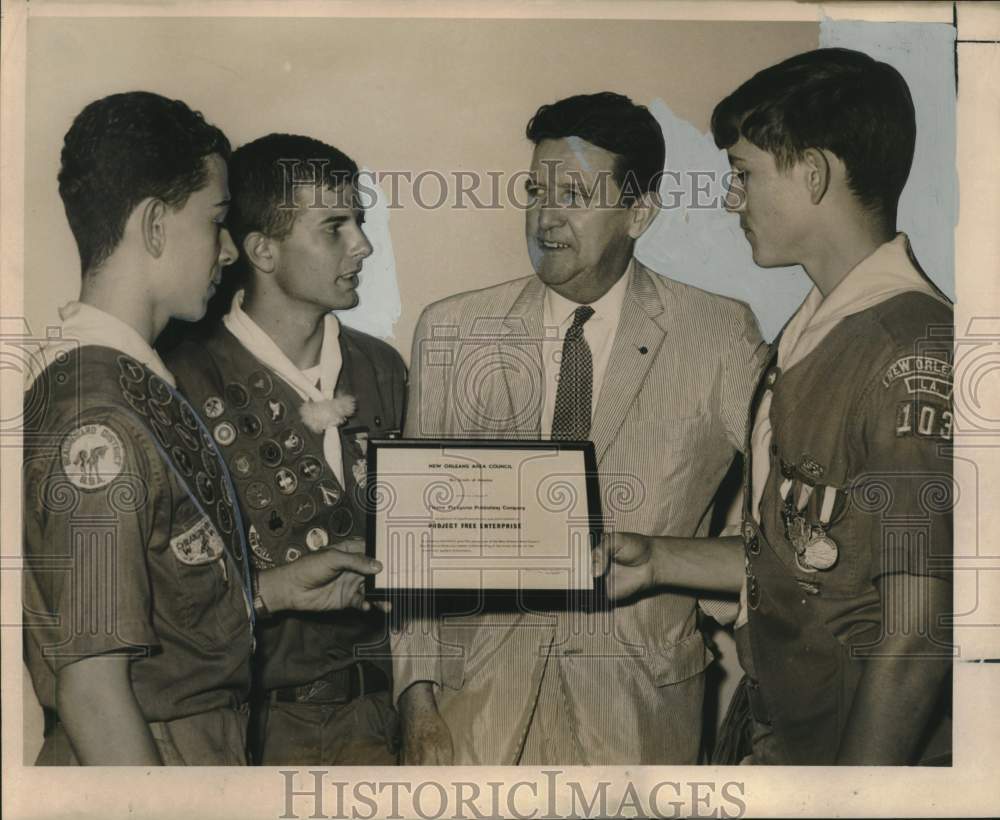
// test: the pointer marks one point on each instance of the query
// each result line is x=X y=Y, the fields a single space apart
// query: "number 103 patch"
x=917 y=418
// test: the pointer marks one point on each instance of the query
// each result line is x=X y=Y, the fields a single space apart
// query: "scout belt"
x=338 y=686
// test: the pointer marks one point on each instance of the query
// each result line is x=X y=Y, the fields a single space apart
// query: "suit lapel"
x=628 y=365
x=519 y=349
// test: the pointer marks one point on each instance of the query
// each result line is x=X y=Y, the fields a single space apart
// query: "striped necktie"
x=571 y=418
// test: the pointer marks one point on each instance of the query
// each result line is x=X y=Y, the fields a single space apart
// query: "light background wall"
x=397 y=95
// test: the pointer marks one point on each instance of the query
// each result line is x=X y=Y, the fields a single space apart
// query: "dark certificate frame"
x=505 y=598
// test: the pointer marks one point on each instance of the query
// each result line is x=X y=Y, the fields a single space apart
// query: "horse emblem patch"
x=92 y=456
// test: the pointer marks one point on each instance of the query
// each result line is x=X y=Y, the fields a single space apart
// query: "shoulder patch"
x=198 y=544
x=924 y=375
x=93 y=455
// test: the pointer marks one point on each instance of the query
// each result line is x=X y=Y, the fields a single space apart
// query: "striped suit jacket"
x=669 y=418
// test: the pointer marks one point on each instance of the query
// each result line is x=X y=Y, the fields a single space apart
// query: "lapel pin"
x=644 y=350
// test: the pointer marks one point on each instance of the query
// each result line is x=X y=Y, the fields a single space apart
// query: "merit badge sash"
x=292 y=500
x=187 y=446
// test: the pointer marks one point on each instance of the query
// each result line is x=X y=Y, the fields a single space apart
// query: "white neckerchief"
x=599 y=331
x=887 y=272
x=84 y=324
x=263 y=347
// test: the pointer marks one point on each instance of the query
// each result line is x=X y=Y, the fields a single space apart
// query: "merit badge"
x=237 y=395
x=286 y=481
x=92 y=456
x=360 y=470
x=190 y=439
x=224 y=433
x=130 y=369
x=303 y=508
x=261 y=383
x=258 y=495
x=329 y=493
x=161 y=434
x=261 y=555
x=243 y=464
x=292 y=442
x=317 y=538
x=157 y=412
x=199 y=544
x=209 y=463
x=270 y=453
x=158 y=390
x=213 y=407
x=226 y=520
x=277 y=409
x=187 y=416
x=341 y=522
x=249 y=425
x=292 y=554
x=205 y=488
x=137 y=403
x=310 y=467
x=275 y=523
x=182 y=460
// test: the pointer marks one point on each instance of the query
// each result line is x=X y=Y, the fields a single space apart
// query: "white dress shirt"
x=599 y=331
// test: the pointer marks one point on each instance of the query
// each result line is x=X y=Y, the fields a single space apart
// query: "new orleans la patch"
x=199 y=544
x=922 y=375
x=92 y=456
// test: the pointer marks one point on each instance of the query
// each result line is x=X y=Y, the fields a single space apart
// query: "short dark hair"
x=616 y=124
x=834 y=99
x=123 y=149
x=263 y=174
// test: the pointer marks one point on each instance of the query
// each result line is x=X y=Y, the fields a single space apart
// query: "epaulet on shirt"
x=913 y=318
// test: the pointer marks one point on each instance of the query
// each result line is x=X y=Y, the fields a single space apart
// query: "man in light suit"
x=658 y=376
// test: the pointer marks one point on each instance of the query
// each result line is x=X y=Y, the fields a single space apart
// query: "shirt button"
x=753 y=592
x=378 y=421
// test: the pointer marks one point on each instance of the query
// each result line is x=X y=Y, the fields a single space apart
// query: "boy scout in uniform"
x=292 y=397
x=138 y=598
x=846 y=552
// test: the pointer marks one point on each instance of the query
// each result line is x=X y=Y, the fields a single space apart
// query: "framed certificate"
x=487 y=519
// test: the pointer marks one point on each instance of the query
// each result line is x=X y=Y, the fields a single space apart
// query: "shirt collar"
x=558 y=310
x=84 y=324
x=888 y=271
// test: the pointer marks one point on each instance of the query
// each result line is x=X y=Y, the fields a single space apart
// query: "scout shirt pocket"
x=210 y=606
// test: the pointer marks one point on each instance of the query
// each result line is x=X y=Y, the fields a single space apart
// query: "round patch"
x=137 y=404
x=225 y=520
x=130 y=369
x=303 y=508
x=209 y=463
x=317 y=538
x=189 y=438
x=213 y=407
x=258 y=495
x=329 y=493
x=161 y=434
x=292 y=442
x=341 y=522
x=277 y=410
x=205 y=488
x=249 y=425
x=159 y=413
x=270 y=453
x=243 y=464
x=182 y=460
x=286 y=481
x=158 y=390
x=237 y=395
x=310 y=467
x=276 y=524
x=261 y=383
x=292 y=554
x=187 y=416
x=133 y=389
x=92 y=456
x=224 y=433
